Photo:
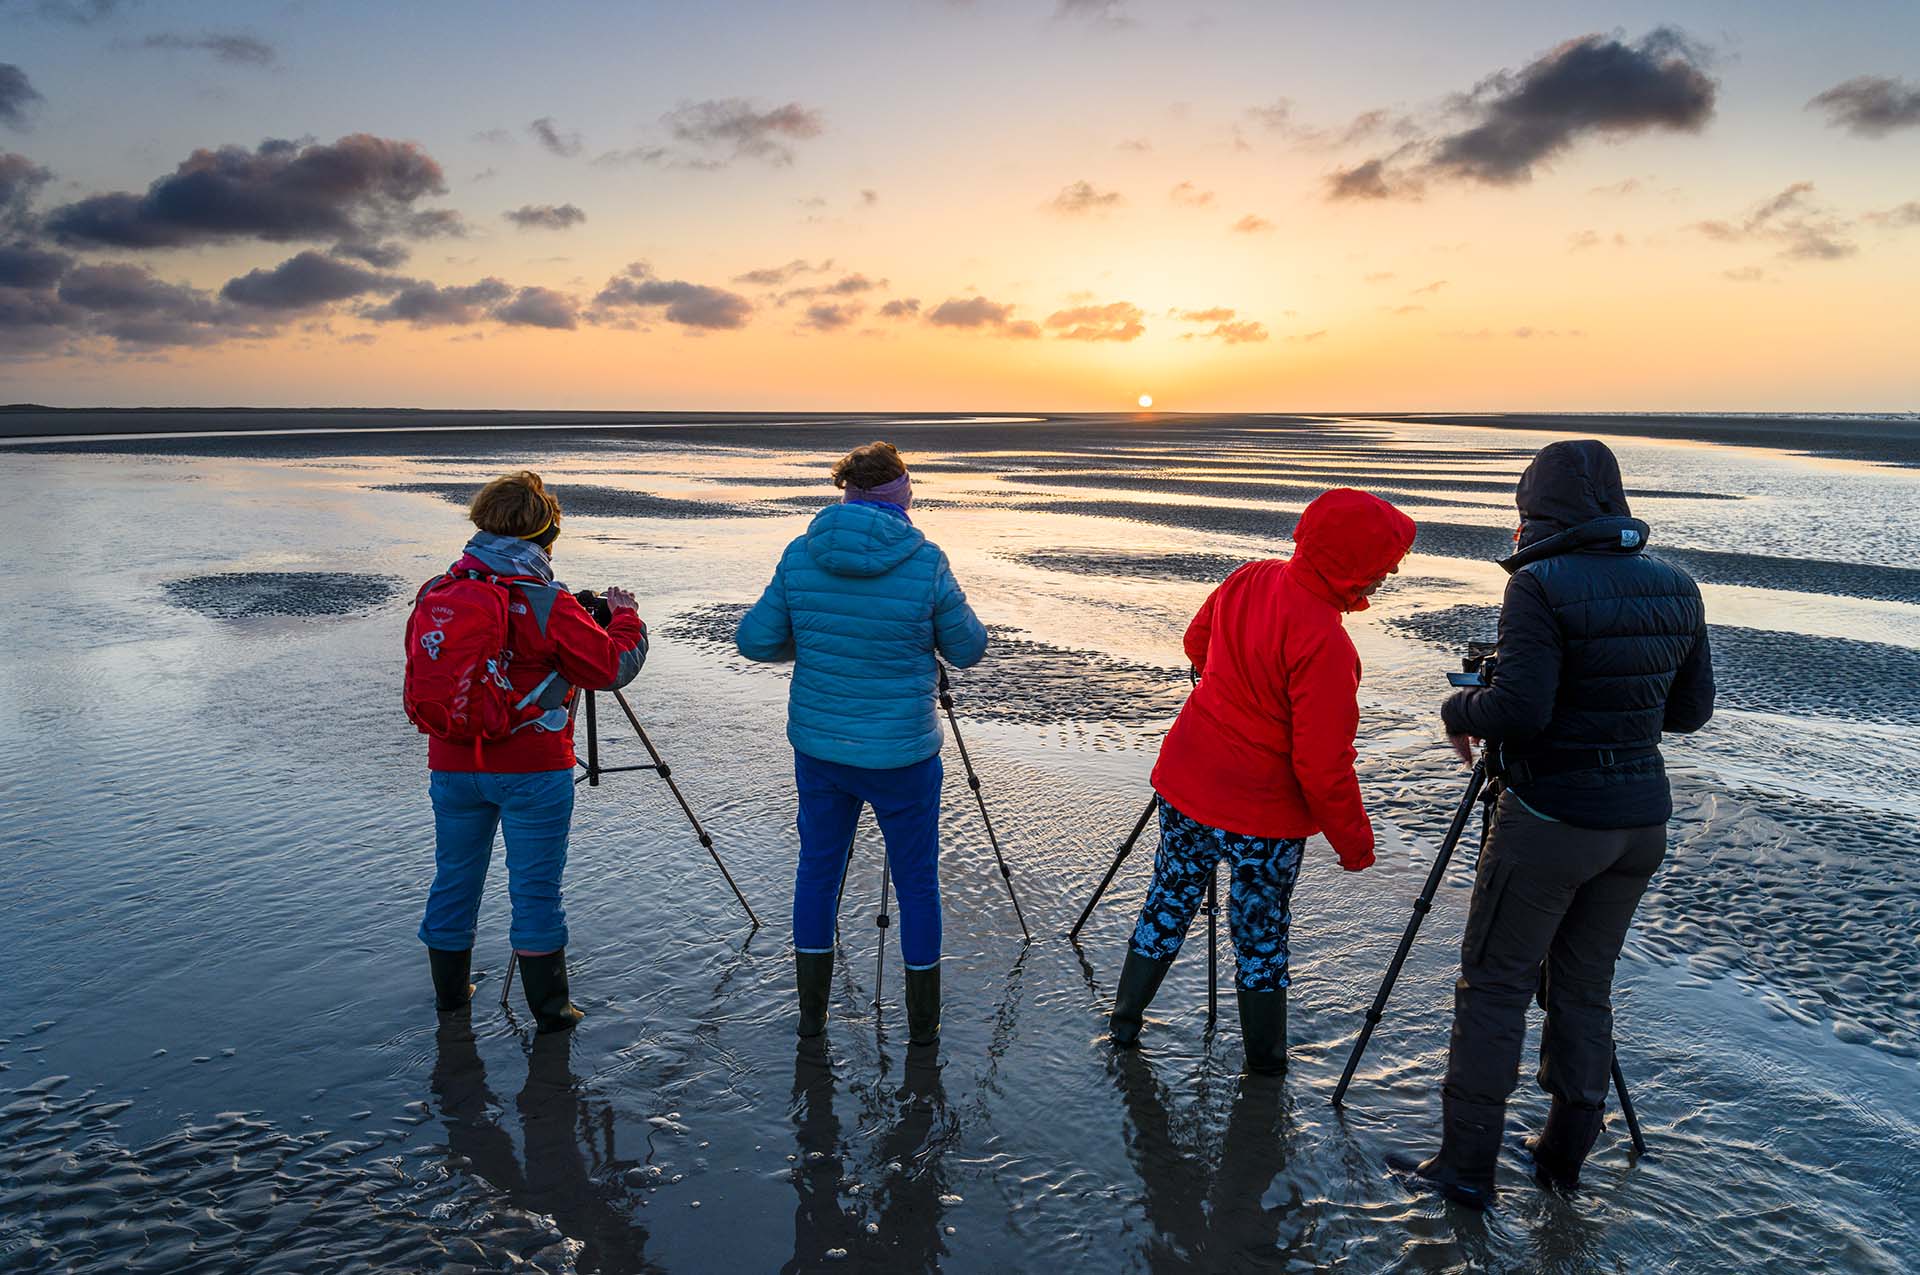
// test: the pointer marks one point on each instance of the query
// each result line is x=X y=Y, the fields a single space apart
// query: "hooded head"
x=1345 y=542
x=1568 y=484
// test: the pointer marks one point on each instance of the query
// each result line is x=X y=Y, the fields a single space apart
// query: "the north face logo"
x=1629 y=538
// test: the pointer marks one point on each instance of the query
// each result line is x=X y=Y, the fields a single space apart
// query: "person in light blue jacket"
x=862 y=604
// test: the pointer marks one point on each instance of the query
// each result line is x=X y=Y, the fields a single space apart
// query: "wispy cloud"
x=734 y=128
x=225 y=46
x=1190 y=195
x=1251 y=225
x=1793 y=220
x=564 y=143
x=1082 y=197
x=545 y=216
x=1870 y=105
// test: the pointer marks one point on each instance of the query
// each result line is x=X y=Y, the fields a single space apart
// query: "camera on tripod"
x=596 y=606
x=1476 y=665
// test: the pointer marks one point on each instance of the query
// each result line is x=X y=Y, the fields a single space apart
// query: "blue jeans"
x=906 y=805
x=536 y=809
x=1259 y=901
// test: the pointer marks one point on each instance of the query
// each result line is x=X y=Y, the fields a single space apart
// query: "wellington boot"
x=1463 y=1171
x=813 y=975
x=1563 y=1143
x=923 y=1006
x=1263 y=1032
x=451 y=990
x=1139 y=979
x=545 y=980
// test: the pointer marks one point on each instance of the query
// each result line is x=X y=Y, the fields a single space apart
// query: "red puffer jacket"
x=1264 y=745
x=548 y=631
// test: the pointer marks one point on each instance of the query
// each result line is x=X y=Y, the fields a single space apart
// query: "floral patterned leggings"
x=1259 y=907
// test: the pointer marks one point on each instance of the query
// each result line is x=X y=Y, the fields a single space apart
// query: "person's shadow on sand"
x=554 y=1117
x=1206 y=1215
x=906 y=1201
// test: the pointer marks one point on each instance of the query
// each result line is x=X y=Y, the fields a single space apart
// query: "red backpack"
x=456 y=685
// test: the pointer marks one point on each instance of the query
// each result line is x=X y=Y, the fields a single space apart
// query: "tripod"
x=594 y=770
x=1476 y=785
x=1212 y=908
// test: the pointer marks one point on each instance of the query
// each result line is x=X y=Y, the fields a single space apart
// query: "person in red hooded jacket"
x=1261 y=758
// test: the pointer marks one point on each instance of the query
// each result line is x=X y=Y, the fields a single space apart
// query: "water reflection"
x=899 y=1196
x=569 y=1144
x=1206 y=1202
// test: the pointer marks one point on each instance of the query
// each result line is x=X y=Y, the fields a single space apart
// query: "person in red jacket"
x=523 y=782
x=1261 y=758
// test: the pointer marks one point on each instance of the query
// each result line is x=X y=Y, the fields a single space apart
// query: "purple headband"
x=898 y=492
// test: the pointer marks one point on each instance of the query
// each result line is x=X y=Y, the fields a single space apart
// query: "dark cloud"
x=903 y=308
x=34 y=320
x=828 y=316
x=540 y=308
x=24 y=266
x=306 y=281
x=1081 y=197
x=20 y=180
x=353 y=190
x=131 y=306
x=545 y=216
x=774 y=276
x=240 y=50
x=385 y=256
x=1870 y=105
x=1251 y=225
x=548 y=134
x=733 y=128
x=851 y=285
x=16 y=95
x=428 y=305
x=1117 y=321
x=1370 y=180
x=1792 y=220
x=1191 y=195
x=980 y=314
x=691 y=305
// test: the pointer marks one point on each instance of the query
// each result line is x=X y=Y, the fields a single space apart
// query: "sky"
x=991 y=205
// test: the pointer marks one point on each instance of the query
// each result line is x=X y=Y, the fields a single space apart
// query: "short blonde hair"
x=518 y=505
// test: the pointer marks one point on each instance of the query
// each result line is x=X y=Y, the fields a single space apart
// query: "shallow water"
x=217 y=1051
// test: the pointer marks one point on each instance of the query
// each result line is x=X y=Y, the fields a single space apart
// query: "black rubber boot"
x=1139 y=980
x=813 y=974
x=545 y=980
x=1263 y=1032
x=1469 y=1151
x=1563 y=1143
x=451 y=990
x=923 y=1006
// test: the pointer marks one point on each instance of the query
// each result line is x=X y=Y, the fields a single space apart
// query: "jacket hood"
x=1344 y=541
x=505 y=555
x=1568 y=484
x=861 y=539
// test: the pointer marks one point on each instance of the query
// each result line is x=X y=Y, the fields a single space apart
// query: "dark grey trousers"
x=1551 y=906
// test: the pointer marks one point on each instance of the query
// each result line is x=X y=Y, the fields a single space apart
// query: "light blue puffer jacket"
x=860 y=604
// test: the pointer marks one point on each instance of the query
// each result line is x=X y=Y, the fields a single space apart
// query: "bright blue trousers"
x=906 y=805
x=536 y=811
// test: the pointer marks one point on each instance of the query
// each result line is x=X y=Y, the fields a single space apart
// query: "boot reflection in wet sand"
x=556 y=1180
x=1199 y=1224
x=907 y=1200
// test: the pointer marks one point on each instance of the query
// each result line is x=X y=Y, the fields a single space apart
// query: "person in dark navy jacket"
x=1602 y=648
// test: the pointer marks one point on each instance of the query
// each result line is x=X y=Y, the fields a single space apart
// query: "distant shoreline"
x=1886 y=439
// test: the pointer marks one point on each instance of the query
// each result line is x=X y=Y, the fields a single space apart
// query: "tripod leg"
x=1421 y=906
x=666 y=773
x=882 y=920
x=513 y=963
x=1213 y=946
x=973 y=782
x=1126 y=848
x=1626 y=1108
x=593 y=741
x=846 y=870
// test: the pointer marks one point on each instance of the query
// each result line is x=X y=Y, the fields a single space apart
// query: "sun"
x=1146 y=400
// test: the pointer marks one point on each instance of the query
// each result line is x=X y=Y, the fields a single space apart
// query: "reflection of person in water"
x=556 y=1179
x=906 y=1201
x=1197 y=1224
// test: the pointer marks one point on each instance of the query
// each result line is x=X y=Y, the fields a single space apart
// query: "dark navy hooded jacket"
x=1602 y=646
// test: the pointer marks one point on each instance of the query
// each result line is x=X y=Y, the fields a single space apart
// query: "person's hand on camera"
x=1463 y=747
x=620 y=600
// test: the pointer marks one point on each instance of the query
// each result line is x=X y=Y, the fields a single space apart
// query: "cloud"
x=903 y=308
x=494 y=136
x=24 y=266
x=827 y=316
x=1403 y=310
x=1591 y=238
x=1371 y=180
x=1214 y=314
x=1791 y=219
x=1190 y=195
x=1251 y=225
x=1870 y=105
x=1244 y=332
x=540 y=308
x=16 y=95
x=691 y=305
x=79 y=13
x=354 y=190
x=225 y=46
x=20 y=180
x=1109 y=14
x=1429 y=289
x=548 y=134
x=1907 y=214
x=1745 y=274
x=545 y=216
x=1116 y=321
x=1081 y=197
x=733 y=127
x=131 y=306
x=980 y=314
x=851 y=285
x=774 y=276
x=1135 y=146
x=868 y=198
x=305 y=281
x=383 y=255
x=428 y=305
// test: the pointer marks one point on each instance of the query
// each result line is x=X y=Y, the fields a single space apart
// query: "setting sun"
x=1146 y=400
